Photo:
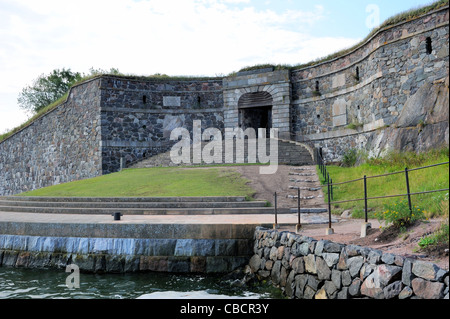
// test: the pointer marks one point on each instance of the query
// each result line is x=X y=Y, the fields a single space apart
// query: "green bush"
x=441 y=236
x=399 y=215
x=350 y=157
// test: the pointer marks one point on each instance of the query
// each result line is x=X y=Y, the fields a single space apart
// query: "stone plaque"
x=340 y=120
x=171 y=101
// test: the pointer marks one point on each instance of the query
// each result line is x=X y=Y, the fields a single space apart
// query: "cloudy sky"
x=174 y=37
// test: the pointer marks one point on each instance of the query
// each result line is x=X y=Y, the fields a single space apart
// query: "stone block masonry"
x=305 y=268
x=390 y=93
x=61 y=146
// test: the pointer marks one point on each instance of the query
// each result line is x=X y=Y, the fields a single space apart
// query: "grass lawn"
x=434 y=204
x=154 y=182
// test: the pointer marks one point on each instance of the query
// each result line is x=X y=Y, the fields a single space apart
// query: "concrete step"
x=290 y=153
x=144 y=211
x=142 y=205
x=125 y=199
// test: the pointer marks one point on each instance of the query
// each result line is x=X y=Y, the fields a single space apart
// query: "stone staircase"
x=289 y=153
x=135 y=206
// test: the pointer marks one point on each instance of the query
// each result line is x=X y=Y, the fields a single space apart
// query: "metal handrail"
x=329 y=184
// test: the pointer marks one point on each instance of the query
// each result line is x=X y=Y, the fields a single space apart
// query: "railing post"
x=365 y=199
x=330 y=230
x=331 y=182
x=299 y=224
x=408 y=191
x=366 y=225
x=275 y=226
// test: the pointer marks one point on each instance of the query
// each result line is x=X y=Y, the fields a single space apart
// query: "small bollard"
x=117 y=215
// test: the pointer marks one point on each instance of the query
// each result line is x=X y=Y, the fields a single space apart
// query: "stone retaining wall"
x=305 y=268
x=122 y=255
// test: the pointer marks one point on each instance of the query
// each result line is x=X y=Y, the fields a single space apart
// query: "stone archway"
x=249 y=93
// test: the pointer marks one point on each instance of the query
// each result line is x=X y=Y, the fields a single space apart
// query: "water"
x=51 y=284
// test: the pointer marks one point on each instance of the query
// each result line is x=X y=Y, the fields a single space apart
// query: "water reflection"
x=51 y=284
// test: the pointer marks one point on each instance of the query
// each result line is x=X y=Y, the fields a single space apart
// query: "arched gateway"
x=258 y=99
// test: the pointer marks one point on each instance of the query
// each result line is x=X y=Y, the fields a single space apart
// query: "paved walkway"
x=283 y=219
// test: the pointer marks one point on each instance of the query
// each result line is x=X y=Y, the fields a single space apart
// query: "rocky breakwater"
x=305 y=268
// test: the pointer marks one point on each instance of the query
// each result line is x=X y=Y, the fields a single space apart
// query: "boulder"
x=354 y=265
x=426 y=289
x=393 y=290
x=428 y=271
x=310 y=264
x=323 y=271
x=255 y=263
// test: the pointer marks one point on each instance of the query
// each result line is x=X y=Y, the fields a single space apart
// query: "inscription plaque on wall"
x=171 y=101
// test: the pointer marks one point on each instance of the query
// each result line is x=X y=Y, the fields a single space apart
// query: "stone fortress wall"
x=389 y=93
x=351 y=100
x=61 y=146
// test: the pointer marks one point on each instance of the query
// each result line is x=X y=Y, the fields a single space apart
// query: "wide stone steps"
x=136 y=206
x=289 y=153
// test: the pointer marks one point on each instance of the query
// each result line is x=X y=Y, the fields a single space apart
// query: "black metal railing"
x=366 y=197
x=329 y=185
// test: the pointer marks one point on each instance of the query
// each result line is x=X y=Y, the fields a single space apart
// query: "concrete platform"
x=151 y=226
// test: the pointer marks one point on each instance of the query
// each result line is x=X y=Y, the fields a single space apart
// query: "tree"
x=47 y=89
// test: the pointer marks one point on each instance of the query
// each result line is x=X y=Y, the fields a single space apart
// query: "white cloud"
x=176 y=37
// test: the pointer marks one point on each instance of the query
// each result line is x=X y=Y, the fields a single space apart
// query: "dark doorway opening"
x=255 y=111
x=259 y=117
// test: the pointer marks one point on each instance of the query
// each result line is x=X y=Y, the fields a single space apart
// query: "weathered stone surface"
x=375 y=256
x=323 y=271
x=343 y=293
x=428 y=271
x=332 y=247
x=393 y=290
x=300 y=284
x=321 y=294
x=355 y=288
x=366 y=270
x=255 y=263
x=331 y=289
x=276 y=272
x=405 y=293
x=427 y=290
x=387 y=273
x=407 y=275
x=331 y=259
x=303 y=249
x=372 y=287
x=298 y=266
x=354 y=265
x=388 y=258
x=336 y=278
x=346 y=278
x=273 y=253
x=310 y=264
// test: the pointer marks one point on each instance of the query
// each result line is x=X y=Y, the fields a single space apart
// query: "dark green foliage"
x=46 y=89
x=349 y=158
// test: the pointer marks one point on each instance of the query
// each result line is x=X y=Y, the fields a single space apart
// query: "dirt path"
x=304 y=177
x=346 y=231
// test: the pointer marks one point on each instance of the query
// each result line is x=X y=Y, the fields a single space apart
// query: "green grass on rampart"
x=154 y=182
x=434 y=204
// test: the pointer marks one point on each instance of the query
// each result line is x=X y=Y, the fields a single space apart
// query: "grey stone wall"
x=330 y=101
x=325 y=105
x=61 y=146
x=305 y=268
x=138 y=116
x=123 y=255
